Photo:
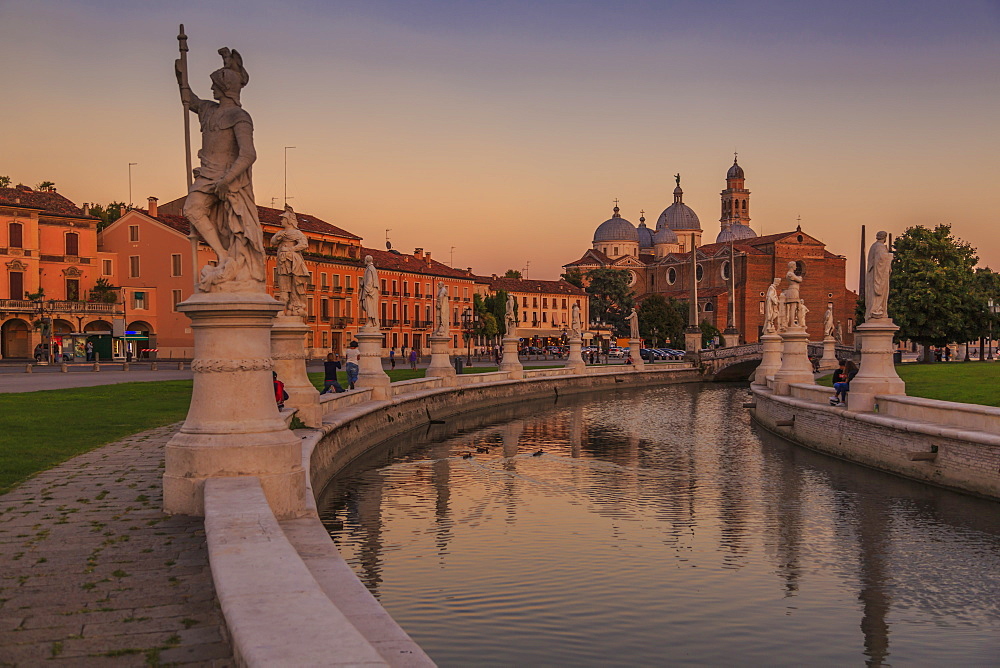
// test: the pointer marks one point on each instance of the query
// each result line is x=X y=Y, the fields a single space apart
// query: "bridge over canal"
x=738 y=362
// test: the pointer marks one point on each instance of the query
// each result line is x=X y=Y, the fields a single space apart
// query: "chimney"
x=152 y=206
x=418 y=253
x=468 y=269
x=494 y=277
x=121 y=210
x=427 y=256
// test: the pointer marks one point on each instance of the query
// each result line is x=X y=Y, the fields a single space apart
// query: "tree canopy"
x=661 y=320
x=4 y=182
x=574 y=277
x=934 y=297
x=108 y=214
x=512 y=273
x=495 y=307
x=611 y=297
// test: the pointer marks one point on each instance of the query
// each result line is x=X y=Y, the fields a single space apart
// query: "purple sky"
x=506 y=129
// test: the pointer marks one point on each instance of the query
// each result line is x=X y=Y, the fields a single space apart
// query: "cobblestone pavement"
x=93 y=573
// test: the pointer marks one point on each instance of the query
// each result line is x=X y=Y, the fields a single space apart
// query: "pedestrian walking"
x=413 y=358
x=392 y=358
x=353 y=357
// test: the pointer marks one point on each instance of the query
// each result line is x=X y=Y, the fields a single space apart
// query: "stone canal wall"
x=942 y=443
x=314 y=610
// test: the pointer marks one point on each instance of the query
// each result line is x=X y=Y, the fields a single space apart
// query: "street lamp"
x=994 y=310
x=469 y=321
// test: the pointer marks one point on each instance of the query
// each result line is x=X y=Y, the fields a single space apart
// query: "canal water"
x=660 y=527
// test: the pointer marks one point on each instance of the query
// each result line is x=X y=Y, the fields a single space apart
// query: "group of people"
x=412 y=357
x=842 y=377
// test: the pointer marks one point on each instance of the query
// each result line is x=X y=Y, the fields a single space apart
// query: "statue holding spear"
x=220 y=203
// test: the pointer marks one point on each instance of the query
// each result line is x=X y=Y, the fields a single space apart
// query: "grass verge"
x=964 y=382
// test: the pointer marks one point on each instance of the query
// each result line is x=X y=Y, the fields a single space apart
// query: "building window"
x=133 y=232
x=175 y=264
x=324 y=309
x=309 y=307
x=671 y=276
x=544 y=316
x=175 y=298
x=72 y=289
x=525 y=304
x=324 y=282
x=709 y=307
x=616 y=252
x=545 y=302
x=15 y=236
x=800 y=269
x=347 y=281
x=106 y=267
x=761 y=308
x=564 y=303
x=325 y=338
x=534 y=302
x=139 y=300
x=725 y=270
x=72 y=243
x=133 y=266
x=384 y=318
x=395 y=288
x=383 y=286
x=16 y=285
x=699 y=273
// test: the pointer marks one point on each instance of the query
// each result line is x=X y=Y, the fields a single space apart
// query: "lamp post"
x=994 y=310
x=469 y=320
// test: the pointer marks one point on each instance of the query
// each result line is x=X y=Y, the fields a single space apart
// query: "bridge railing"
x=745 y=350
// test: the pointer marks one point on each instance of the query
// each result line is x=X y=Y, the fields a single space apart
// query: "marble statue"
x=877 y=279
x=576 y=322
x=292 y=272
x=794 y=308
x=441 y=311
x=369 y=293
x=633 y=323
x=828 y=328
x=772 y=310
x=510 y=316
x=220 y=203
x=782 y=317
x=838 y=333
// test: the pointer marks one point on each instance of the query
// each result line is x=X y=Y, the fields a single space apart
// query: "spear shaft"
x=182 y=68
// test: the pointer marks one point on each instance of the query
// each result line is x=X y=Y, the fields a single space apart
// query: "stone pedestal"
x=795 y=364
x=829 y=359
x=575 y=359
x=288 y=335
x=370 y=371
x=233 y=427
x=634 y=346
x=511 y=363
x=692 y=339
x=731 y=337
x=440 y=362
x=877 y=374
x=771 y=360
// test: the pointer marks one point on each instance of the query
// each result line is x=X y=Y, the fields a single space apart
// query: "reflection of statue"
x=794 y=308
x=576 y=322
x=369 y=294
x=292 y=272
x=441 y=311
x=633 y=323
x=220 y=203
x=838 y=334
x=828 y=328
x=771 y=307
x=877 y=279
x=510 y=316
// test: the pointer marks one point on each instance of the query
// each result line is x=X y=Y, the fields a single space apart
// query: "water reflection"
x=659 y=527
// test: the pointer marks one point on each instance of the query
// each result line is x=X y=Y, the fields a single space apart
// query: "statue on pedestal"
x=772 y=308
x=633 y=322
x=877 y=279
x=576 y=322
x=794 y=314
x=838 y=333
x=369 y=293
x=441 y=311
x=510 y=316
x=828 y=328
x=292 y=272
x=220 y=203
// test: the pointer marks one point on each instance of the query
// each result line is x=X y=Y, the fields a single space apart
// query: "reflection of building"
x=48 y=244
x=544 y=307
x=659 y=262
x=154 y=255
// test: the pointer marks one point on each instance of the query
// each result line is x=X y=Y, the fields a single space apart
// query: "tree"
x=104 y=292
x=661 y=319
x=987 y=288
x=933 y=296
x=45 y=185
x=574 y=277
x=611 y=297
x=512 y=273
x=496 y=305
x=708 y=332
x=4 y=182
x=108 y=214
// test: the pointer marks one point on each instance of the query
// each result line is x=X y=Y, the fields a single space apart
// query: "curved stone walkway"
x=93 y=573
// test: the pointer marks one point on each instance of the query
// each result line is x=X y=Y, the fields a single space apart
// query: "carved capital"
x=228 y=366
x=289 y=356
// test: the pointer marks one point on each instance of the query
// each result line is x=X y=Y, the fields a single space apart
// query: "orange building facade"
x=51 y=263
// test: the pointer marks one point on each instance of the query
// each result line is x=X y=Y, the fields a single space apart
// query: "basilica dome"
x=665 y=235
x=735 y=232
x=645 y=234
x=678 y=216
x=616 y=228
x=735 y=172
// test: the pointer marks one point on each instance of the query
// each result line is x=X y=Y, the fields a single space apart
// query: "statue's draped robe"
x=877 y=281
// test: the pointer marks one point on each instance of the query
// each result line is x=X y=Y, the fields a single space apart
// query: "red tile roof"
x=307 y=222
x=587 y=261
x=49 y=202
x=529 y=285
x=391 y=261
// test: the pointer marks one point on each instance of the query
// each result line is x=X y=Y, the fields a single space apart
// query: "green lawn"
x=965 y=382
x=42 y=429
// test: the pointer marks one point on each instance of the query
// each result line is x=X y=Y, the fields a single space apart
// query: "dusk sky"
x=505 y=129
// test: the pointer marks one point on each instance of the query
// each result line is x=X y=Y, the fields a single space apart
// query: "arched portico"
x=139 y=339
x=15 y=338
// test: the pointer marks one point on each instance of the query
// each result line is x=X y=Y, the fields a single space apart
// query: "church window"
x=616 y=252
x=744 y=205
x=700 y=273
x=800 y=269
x=709 y=307
x=725 y=271
x=671 y=276
x=799 y=238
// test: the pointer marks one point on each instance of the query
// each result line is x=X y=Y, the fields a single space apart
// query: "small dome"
x=735 y=172
x=616 y=228
x=645 y=234
x=665 y=235
x=735 y=232
x=678 y=216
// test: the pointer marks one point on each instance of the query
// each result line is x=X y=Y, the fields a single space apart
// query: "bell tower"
x=735 y=198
